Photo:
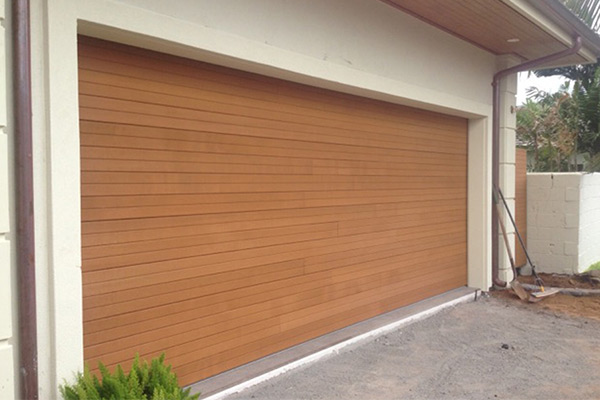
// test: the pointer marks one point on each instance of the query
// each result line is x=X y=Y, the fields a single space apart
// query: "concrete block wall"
x=7 y=379
x=563 y=221
x=589 y=220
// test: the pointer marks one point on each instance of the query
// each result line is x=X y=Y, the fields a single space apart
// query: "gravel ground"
x=488 y=349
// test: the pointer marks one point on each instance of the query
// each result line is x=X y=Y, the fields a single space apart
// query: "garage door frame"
x=56 y=145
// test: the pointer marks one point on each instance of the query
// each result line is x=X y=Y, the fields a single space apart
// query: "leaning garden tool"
x=514 y=284
x=537 y=280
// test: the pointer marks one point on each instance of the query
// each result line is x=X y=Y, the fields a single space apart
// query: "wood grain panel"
x=521 y=204
x=227 y=215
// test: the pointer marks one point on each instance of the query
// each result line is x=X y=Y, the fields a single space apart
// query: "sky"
x=549 y=84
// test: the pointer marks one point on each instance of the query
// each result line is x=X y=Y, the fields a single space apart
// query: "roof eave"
x=555 y=18
x=578 y=26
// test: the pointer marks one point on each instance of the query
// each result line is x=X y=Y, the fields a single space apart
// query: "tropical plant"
x=588 y=11
x=588 y=103
x=547 y=125
x=154 y=381
x=592 y=163
x=585 y=97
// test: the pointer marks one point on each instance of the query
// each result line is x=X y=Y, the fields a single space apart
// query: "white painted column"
x=479 y=216
x=8 y=380
x=56 y=192
x=508 y=125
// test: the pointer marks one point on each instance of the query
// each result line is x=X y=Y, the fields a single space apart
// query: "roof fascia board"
x=557 y=8
x=533 y=14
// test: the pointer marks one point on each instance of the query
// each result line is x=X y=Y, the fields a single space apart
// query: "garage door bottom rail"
x=237 y=379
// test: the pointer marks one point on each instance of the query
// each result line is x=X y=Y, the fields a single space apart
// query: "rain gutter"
x=526 y=66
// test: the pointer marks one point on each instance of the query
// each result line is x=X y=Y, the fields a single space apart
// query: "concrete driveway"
x=488 y=349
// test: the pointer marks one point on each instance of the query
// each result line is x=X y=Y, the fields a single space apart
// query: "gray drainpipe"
x=24 y=200
x=496 y=138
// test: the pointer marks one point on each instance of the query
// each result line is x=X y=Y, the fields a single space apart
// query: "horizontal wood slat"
x=118 y=232
x=195 y=239
x=184 y=73
x=210 y=113
x=290 y=315
x=111 y=297
x=289 y=289
x=226 y=215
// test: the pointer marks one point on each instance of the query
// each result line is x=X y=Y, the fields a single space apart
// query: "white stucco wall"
x=563 y=221
x=508 y=127
x=589 y=220
x=330 y=44
x=401 y=47
x=7 y=348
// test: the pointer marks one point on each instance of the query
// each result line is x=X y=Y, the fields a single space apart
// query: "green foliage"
x=558 y=127
x=154 y=381
x=584 y=74
x=593 y=267
x=587 y=11
x=547 y=125
x=583 y=114
x=588 y=101
x=592 y=163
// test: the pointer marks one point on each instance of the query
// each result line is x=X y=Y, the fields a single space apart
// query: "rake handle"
x=512 y=220
x=505 y=236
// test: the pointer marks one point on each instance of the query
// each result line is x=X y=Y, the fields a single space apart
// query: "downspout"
x=496 y=138
x=24 y=200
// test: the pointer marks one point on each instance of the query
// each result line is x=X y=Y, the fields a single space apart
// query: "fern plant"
x=154 y=381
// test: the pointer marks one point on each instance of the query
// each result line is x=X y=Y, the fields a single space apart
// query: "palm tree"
x=589 y=12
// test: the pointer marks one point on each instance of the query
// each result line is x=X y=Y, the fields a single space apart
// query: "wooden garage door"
x=226 y=215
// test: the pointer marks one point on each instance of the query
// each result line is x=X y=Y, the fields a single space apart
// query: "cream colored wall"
x=8 y=380
x=56 y=192
x=401 y=47
x=508 y=126
x=402 y=61
x=437 y=92
x=478 y=204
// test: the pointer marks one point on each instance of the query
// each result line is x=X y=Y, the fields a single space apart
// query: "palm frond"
x=587 y=10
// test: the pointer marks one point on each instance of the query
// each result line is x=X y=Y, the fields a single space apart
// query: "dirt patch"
x=586 y=306
x=564 y=281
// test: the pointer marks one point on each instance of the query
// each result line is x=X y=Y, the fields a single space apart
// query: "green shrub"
x=144 y=382
x=593 y=267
